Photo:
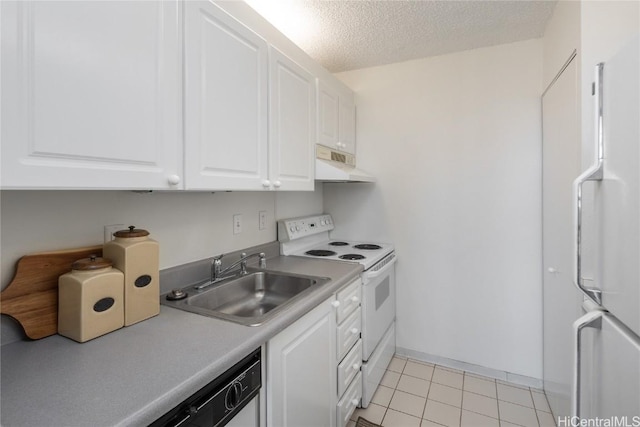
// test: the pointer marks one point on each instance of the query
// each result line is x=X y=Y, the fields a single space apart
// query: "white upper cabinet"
x=336 y=117
x=292 y=125
x=183 y=95
x=347 y=123
x=328 y=103
x=226 y=102
x=91 y=95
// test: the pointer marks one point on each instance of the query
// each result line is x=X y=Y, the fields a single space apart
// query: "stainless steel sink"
x=250 y=299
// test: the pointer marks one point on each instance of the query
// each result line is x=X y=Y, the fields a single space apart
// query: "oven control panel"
x=297 y=228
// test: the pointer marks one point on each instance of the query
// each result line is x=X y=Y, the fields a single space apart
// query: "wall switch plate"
x=237 y=224
x=262 y=220
x=110 y=229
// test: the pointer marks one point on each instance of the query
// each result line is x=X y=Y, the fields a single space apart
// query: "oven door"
x=378 y=303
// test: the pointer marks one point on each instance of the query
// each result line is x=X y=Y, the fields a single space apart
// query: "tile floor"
x=420 y=394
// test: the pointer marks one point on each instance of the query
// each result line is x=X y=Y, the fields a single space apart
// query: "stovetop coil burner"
x=338 y=244
x=320 y=252
x=352 y=257
x=368 y=246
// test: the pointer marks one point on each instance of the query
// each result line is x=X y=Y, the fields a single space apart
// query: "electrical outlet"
x=110 y=229
x=262 y=220
x=237 y=224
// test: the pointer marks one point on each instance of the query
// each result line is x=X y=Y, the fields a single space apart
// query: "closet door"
x=561 y=165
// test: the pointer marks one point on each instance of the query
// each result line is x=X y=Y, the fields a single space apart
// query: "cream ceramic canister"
x=137 y=256
x=90 y=299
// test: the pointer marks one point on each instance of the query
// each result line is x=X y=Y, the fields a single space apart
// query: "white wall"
x=455 y=144
x=188 y=226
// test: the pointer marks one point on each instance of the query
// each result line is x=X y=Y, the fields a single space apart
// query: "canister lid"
x=131 y=232
x=92 y=263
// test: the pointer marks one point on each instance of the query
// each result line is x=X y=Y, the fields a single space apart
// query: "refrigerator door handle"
x=591 y=319
x=593 y=173
x=587 y=320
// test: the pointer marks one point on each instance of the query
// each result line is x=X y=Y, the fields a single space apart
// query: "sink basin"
x=250 y=299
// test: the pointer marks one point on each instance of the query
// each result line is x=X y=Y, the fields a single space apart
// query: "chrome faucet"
x=217 y=272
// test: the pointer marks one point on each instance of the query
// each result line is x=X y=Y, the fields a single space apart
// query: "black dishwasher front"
x=216 y=403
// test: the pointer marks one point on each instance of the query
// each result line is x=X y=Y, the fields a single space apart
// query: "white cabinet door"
x=347 y=123
x=292 y=125
x=328 y=103
x=336 y=118
x=301 y=371
x=226 y=104
x=91 y=95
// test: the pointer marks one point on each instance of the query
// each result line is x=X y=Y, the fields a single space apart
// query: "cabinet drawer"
x=349 y=299
x=348 y=334
x=349 y=401
x=349 y=367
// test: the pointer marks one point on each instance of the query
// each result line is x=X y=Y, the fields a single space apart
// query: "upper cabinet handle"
x=593 y=173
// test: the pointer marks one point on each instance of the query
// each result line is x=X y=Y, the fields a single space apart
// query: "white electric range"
x=310 y=237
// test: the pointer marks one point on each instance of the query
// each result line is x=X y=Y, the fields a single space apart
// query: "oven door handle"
x=373 y=274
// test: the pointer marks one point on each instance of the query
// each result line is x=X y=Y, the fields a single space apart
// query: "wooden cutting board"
x=32 y=296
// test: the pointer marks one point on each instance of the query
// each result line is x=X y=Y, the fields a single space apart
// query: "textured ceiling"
x=345 y=35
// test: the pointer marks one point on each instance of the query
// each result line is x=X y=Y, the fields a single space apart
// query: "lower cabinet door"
x=349 y=367
x=349 y=401
x=301 y=371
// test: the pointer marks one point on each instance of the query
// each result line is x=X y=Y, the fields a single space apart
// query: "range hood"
x=335 y=166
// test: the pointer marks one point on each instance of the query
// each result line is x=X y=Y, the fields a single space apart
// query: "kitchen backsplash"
x=189 y=226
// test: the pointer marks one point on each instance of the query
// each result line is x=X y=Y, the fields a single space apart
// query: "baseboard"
x=470 y=367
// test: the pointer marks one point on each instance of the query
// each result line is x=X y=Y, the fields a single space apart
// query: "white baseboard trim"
x=470 y=367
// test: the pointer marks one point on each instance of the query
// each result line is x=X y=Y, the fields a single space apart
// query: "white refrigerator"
x=606 y=339
x=591 y=243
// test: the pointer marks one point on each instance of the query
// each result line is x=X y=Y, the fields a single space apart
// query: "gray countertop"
x=134 y=375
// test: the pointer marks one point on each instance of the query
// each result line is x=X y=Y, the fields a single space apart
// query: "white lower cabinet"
x=310 y=383
x=349 y=367
x=348 y=351
x=301 y=371
x=349 y=401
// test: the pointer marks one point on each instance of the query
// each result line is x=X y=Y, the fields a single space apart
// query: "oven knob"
x=232 y=398
x=322 y=222
x=292 y=229
x=297 y=228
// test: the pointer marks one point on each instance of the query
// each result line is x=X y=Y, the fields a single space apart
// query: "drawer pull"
x=354 y=402
x=356 y=366
x=355 y=299
x=355 y=331
x=335 y=304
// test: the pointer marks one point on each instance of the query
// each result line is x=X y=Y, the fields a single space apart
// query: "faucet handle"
x=263 y=260
x=216 y=266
